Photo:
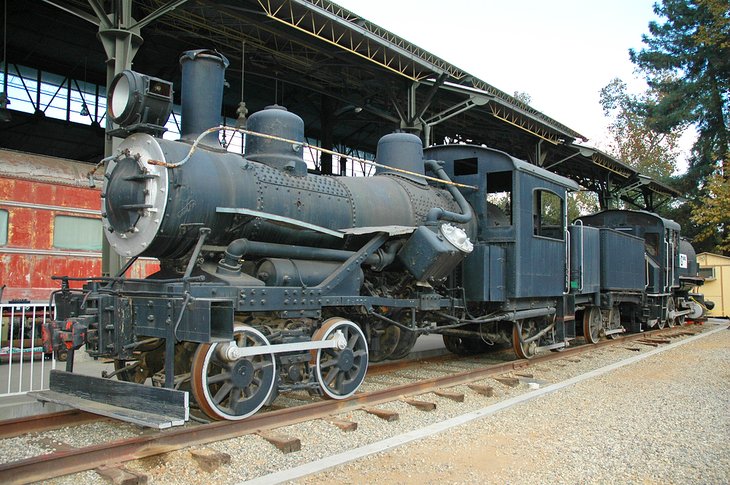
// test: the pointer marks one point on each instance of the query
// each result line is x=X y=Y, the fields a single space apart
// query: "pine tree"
x=687 y=66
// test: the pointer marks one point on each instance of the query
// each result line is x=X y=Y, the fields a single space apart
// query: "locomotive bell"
x=401 y=151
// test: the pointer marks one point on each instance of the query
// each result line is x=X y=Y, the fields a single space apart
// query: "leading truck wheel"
x=233 y=389
x=341 y=371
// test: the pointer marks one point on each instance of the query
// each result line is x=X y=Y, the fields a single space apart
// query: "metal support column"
x=326 y=137
x=120 y=36
x=121 y=41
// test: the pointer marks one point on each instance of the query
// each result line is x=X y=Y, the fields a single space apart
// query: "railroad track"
x=68 y=461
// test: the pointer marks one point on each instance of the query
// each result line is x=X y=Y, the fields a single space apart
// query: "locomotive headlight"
x=457 y=237
x=139 y=101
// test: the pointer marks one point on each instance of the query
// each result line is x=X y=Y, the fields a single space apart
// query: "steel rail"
x=72 y=461
x=45 y=422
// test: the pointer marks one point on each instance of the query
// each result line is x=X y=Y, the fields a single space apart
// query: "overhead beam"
x=101 y=14
x=168 y=7
x=74 y=11
x=337 y=26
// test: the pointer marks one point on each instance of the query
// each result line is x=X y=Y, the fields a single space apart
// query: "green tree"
x=633 y=141
x=713 y=215
x=686 y=61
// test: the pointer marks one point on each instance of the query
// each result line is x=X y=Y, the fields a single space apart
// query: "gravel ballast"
x=665 y=419
x=662 y=420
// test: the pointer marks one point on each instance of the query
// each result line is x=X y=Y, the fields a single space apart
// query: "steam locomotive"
x=273 y=279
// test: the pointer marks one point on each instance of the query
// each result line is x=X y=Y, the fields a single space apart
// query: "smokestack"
x=203 y=73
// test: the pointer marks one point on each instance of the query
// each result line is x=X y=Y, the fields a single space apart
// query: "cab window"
x=499 y=199
x=548 y=215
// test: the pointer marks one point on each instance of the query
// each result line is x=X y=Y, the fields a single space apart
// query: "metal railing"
x=24 y=366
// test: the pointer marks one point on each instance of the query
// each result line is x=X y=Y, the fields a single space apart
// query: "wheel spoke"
x=223 y=392
x=264 y=364
x=353 y=340
x=215 y=382
x=223 y=376
x=341 y=372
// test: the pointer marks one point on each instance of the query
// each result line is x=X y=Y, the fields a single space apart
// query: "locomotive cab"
x=519 y=262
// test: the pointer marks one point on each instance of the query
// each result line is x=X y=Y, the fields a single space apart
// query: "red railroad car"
x=50 y=224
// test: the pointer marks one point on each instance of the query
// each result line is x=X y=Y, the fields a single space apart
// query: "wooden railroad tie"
x=118 y=475
x=285 y=444
x=343 y=424
x=508 y=381
x=210 y=460
x=656 y=340
x=482 y=389
x=422 y=405
x=647 y=343
x=454 y=396
x=683 y=333
x=383 y=414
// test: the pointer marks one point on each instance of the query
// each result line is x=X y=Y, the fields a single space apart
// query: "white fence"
x=23 y=364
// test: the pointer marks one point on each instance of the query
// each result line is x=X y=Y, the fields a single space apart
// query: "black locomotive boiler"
x=274 y=279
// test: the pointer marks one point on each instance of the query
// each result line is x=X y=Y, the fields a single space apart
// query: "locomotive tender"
x=274 y=279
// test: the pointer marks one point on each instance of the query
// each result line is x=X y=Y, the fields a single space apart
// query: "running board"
x=153 y=407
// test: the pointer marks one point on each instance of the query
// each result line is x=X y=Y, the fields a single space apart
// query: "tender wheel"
x=406 y=341
x=671 y=307
x=614 y=321
x=661 y=322
x=456 y=345
x=592 y=325
x=340 y=372
x=387 y=337
x=521 y=331
x=235 y=389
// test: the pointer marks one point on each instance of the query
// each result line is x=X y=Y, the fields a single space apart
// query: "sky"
x=560 y=52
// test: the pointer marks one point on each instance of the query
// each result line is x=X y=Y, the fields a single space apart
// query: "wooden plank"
x=383 y=414
x=343 y=424
x=422 y=405
x=285 y=444
x=140 y=418
x=487 y=391
x=454 y=396
x=153 y=400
